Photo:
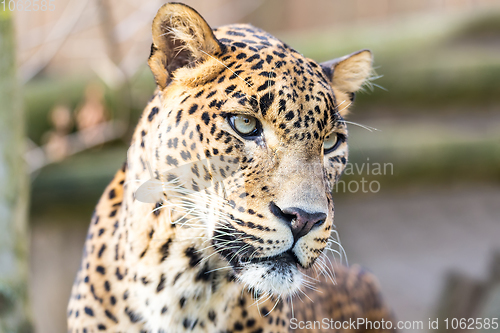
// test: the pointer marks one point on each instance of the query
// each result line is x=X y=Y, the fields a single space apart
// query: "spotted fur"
x=231 y=229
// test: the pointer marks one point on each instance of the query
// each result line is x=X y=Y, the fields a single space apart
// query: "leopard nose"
x=300 y=221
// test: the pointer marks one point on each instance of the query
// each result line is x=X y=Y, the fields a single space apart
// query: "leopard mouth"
x=274 y=275
x=284 y=258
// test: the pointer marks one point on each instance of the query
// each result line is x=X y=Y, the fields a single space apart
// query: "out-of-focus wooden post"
x=14 y=308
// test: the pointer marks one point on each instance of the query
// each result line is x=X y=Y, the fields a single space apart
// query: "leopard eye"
x=332 y=142
x=246 y=126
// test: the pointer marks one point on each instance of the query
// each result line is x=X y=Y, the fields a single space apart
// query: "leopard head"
x=251 y=134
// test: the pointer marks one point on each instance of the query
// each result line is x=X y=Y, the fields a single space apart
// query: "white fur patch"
x=271 y=278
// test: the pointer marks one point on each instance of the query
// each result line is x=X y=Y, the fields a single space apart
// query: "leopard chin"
x=278 y=275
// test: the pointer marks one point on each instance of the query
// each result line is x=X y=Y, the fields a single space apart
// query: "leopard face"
x=248 y=143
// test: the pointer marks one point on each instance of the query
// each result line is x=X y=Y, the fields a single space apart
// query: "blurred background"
x=431 y=229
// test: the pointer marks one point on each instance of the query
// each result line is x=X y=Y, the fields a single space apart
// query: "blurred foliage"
x=42 y=94
x=435 y=63
x=15 y=312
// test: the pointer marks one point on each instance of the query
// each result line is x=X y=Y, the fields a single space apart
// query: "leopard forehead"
x=257 y=74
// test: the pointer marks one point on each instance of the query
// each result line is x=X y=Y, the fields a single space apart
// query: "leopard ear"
x=348 y=74
x=181 y=38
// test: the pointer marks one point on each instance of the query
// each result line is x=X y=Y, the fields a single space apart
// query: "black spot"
x=266 y=85
x=289 y=115
x=101 y=251
x=236 y=74
x=101 y=270
x=250 y=322
x=89 y=311
x=182 y=302
x=203 y=274
x=112 y=300
x=172 y=161
x=230 y=89
x=110 y=316
x=193 y=256
x=193 y=108
x=186 y=155
x=134 y=317
x=164 y=309
x=216 y=103
x=112 y=194
x=279 y=54
x=107 y=286
x=178 y=117
x=205 y=117
x=119 y=276
x=235 y=33
x=164 y=250
x=211 y=315
x=269 y=75
x=258 y=65
x=254 y=57
x=101 y=327
x=153 y=112
x=278 y=64
x=177 y=277
x=238 y=326
x=265 y=102
x=241 y=56
x=264 y=311
x=241 y=45
x=282 y=106
x=161 y=284
x=157 y=211
x=186 y=323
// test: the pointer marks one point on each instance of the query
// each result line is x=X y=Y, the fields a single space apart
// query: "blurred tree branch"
x=58 y=35
x=14 y=309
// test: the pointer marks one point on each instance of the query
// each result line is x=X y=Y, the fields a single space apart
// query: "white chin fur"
x=283 y=280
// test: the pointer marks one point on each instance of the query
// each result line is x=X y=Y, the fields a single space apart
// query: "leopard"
x=222 y=217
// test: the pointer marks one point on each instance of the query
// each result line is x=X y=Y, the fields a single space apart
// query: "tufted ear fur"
x=348 y=74
x=181 y=38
